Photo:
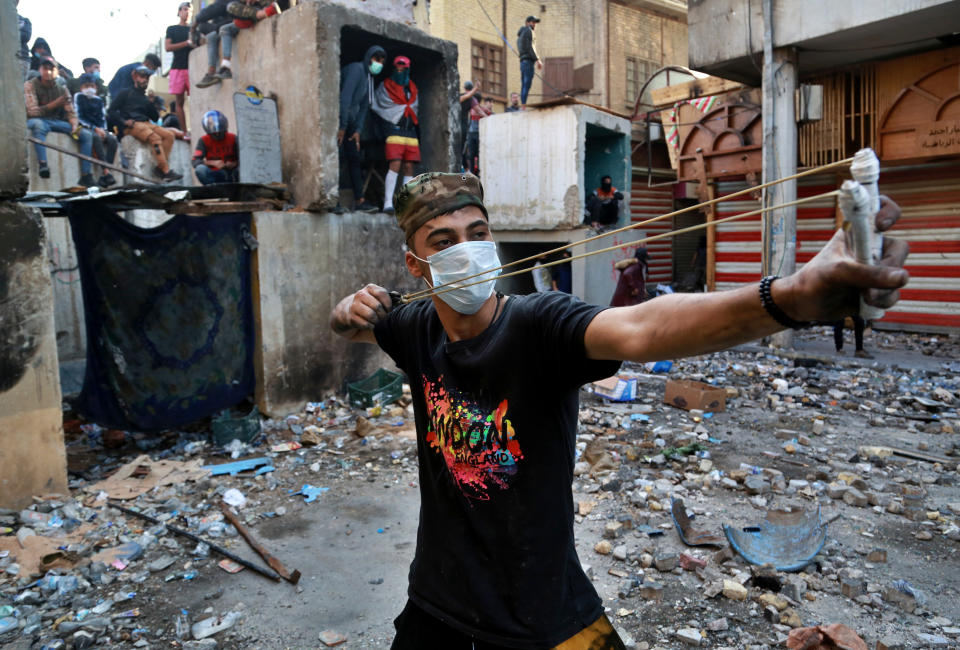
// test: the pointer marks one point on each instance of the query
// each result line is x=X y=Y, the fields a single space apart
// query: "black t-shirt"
x=496 y=425
x=181 y=57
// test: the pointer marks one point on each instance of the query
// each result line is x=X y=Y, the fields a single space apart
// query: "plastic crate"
x=382 y=387
x=226 y=426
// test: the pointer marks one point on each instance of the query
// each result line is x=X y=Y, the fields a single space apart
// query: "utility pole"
x=779 y=244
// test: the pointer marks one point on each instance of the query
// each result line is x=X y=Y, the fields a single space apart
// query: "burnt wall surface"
x=13 y=114
x=296 y=57
x=32 y=455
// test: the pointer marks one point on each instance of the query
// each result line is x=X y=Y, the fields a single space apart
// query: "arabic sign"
x=939 y=138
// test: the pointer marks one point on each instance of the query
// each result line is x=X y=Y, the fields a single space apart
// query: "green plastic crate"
x=225 y=427
x=382 y=387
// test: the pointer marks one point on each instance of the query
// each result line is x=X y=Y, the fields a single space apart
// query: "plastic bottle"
x=182 y=625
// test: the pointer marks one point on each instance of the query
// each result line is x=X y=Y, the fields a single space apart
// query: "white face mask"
x=461 y=261
x=89 y=92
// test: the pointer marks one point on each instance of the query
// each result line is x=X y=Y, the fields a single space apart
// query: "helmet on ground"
x=214 y=123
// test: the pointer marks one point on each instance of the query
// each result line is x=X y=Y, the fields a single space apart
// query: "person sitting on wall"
x=603 y=205
x=41 y=51
x=132 y=112
x=356 y=91
x=215 y=159
x=397 y=102
x=123 y=79
x=216 y=26
x=92 y=115
x=49 y=109
x=90 y=66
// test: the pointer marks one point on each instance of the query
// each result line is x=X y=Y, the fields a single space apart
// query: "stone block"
x=308 y=45
x=305 y=264
x=651 y=591
x=734 y=590
x=140 y=160
x=32 y=452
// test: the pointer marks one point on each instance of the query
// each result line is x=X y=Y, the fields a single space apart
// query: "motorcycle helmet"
x=214 y=123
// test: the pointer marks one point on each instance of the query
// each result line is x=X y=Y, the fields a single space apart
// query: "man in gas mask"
x=396 y=101
x=356 y=94
x=132 y=112
x=495 y=382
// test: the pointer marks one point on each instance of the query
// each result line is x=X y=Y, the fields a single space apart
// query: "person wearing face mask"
x=603 y=205
x=495 y=382
x=132 y=112
x=92 y=115
x=91 y=67
x=49 y=109
x=356 y=95
x=397 y=102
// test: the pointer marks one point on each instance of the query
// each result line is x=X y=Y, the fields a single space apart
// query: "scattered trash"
x=616 y=388
x=331 y=638
x=310 y=492
x=825 y=637
x=143 y=474
x=688 y=394
x=230 y=566
x=234 y=497
x=261 y=465
x=379 y=389
x=227 y=426
x=787 y=540
x=214 y=625
x=689 y=536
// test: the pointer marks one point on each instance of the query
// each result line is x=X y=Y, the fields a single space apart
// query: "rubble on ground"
x=874 y=447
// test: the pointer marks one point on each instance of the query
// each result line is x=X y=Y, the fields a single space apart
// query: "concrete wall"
x=535 y=166
x=305 y=264
x=32 y=455
x=13 y=115
x=845 y=31
x=296 y=56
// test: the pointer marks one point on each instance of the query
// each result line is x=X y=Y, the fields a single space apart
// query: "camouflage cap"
x=429 y=195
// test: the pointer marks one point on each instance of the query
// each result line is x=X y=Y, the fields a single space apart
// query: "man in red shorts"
x=178 y=41
x=396 y=101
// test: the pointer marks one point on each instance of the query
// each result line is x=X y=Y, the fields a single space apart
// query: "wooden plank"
x=220 y=207
x=705 y=87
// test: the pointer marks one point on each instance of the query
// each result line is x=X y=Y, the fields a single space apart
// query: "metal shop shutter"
x=646 y=203
x=738 y=242
x=929 y=196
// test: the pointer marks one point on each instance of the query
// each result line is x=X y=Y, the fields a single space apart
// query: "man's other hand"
x=830 y=286
x=356 y=139
x=355 y=316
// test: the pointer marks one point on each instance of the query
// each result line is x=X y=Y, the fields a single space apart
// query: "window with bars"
x=638 y=71
x=487 y=64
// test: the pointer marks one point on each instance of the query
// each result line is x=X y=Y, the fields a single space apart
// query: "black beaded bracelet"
x=766 y=299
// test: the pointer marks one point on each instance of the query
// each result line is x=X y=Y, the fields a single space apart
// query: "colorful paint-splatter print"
x=480 y=449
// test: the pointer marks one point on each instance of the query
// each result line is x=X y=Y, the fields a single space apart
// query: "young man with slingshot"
x=495 y=383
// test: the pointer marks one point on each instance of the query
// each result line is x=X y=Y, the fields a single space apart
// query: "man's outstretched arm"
x=828 y=288
x=354 y=317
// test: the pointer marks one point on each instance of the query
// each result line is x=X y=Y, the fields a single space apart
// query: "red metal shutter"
x=646 y=203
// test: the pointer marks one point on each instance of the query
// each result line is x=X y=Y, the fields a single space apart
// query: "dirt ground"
x=790 y=437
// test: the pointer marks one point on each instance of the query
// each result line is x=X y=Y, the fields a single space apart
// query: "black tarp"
x=169 y=317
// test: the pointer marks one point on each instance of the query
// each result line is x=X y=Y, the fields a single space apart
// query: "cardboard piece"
x=688 y=395
x=616 y=388
x=142 y=475
x=36 y=547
